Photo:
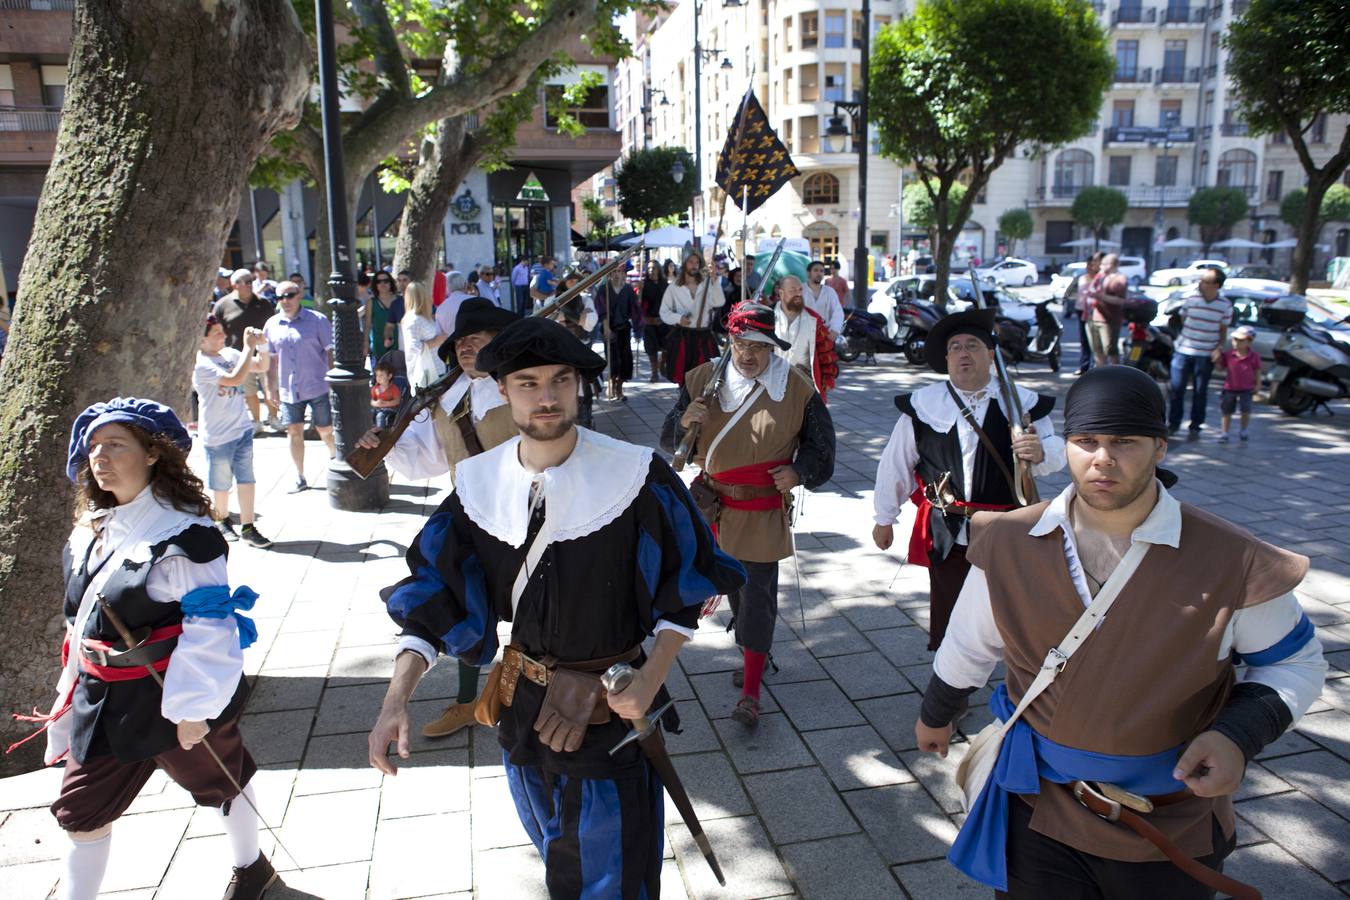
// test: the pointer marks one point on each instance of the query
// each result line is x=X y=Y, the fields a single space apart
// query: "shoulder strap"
x=533 y=554
x=731 y=423
x=463 y=418
x=1059 y=656
x=984 y=439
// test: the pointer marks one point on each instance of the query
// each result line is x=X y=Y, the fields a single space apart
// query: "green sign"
x=532 y=189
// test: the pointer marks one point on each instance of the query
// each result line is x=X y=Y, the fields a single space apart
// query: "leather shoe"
x=453 y=719
x=252 y=881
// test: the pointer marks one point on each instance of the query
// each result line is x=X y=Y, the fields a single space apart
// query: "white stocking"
x=242 y=827
x=85 y=864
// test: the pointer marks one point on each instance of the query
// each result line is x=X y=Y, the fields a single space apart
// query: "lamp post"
x=835 y=134
x=648 y=92
x=1159 y=219
x=699 y=53
x=348 y=380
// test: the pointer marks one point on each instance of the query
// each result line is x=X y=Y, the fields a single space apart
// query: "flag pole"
x=745 y=231
x=736 y=158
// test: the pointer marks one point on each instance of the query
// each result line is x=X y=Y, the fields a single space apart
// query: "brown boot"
x=252 y=881
x=455 y=717
x=747 y=712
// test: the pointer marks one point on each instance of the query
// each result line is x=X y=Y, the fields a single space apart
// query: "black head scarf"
x=1117 y=400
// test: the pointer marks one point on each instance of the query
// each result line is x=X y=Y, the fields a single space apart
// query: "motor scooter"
x=1034 y=341
x=1312 y=365
x=1147 y=347
x=864 y=333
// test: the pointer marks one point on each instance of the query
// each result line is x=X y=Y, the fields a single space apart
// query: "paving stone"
x=286 y=689
x=864 y=675
x=1305 y=828
x=272 y=786
x=856 y=757
x=1288 y=743
x=1271 y=870
x=486 y=753
x=422 y=856
x=336 y=763
x=713 y=786
x=309 y=830
x=155 y=836
x=696 y=732
x=794 y=662
x=902 y=646
x=1259 y=781
x=36 y=879
x=274 y=737
x=349 y=710
x=1320 y=775
x=799 y=805
x=831 y=637
x=746 y=855
x=719 y=696
x=30 y=835
x=29 y=790
x=362 y=664
x=938 y=775
x=1329 y=729
x=292 y=651
x=844 y=868
x=710 y=652
x=772 y=745
x=512 y=873
x=903 y=821
x=816 y=704
x=937 y=879
x=427 y=784
x=341 y=882
x=894 y=718
x=495 y=823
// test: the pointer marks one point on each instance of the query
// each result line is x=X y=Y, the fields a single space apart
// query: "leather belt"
x=740 y=491
x=539 y=671
x=154 y=646
x=1116 y=805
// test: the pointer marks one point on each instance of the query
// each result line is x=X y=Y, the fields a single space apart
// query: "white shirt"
x=424 y=365
x=799 y=332
x=973 y=644
x=680 y=301
x=826 y=304
x=447 y=311
x=418 y=453
x=932 y=403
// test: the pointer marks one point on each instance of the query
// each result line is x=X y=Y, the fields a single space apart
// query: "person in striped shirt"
x=1205 y=316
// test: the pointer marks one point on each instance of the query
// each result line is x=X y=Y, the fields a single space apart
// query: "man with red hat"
x=953 y=453
x=765 y=432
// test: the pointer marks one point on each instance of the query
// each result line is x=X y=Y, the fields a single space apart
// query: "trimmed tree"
x=995 y=87
x=1215 y=210
x=1288 y=67
x=1099 y=208
x=1015 y=224
x=917 y=204
x=144 y=185
x=1335 y=208
x=647 y=192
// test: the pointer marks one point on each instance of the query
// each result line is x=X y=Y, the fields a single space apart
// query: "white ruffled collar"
x=933 y=403
x=736 y=387
x=483 y=395
x=591 y=488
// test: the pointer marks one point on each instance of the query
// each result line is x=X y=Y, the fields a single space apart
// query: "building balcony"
x=31 y=119
x=1182 y=15
x=1212 y=70
x=1148 y=195
x=1233 y=129
x=1055 y=195
x=1178 y=75
x=1141 y=135
x=38 y=5
x=1129 y=13
x=1138 y=77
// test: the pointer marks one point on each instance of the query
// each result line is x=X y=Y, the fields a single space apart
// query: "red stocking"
x=754 y=671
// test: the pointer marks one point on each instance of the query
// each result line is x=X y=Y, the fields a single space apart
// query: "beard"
x=1128 y=493
x=547 y=431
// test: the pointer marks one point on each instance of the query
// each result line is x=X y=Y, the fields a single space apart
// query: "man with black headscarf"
x=953 y=453
x=1153 y=703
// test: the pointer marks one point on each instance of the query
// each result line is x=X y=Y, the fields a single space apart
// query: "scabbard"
x=654 y=748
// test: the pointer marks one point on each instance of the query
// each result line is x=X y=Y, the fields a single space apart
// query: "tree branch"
x=388 y=54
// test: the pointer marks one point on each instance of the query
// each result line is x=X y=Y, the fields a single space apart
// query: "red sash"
x=755 y=475
x=921 y=538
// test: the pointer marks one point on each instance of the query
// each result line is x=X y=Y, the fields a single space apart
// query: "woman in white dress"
x=421 y=337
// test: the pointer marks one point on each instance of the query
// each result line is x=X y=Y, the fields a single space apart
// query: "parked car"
x=1012 y=270
x=1257 y=277
x=1134 y=268
x=1188 y=275
x=1062 y=284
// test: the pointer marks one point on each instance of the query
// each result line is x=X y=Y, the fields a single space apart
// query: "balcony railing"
x=1233 y=129
x=29 y=118
x=44 y=5
x=1178 y=75
x=1141 y=135
x=1151 y=195
x=1134 y=76
x=1182 y=14
x=1212 y=70
x=1134 y=14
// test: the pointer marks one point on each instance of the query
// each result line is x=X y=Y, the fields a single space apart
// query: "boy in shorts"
x=225 y=427
x=1243 y=371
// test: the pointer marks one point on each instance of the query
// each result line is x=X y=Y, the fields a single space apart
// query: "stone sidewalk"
x=828 y=799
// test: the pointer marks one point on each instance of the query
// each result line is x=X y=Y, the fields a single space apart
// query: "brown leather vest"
x=497 y=427
x=1150 y=678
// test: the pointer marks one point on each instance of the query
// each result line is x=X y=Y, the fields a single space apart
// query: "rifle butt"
x=365 y=461
x=683 y=451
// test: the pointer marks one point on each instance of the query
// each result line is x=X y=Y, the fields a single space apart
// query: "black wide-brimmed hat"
x=754 y=322
x=537 y=341
x=475 y=314
x=979 y=322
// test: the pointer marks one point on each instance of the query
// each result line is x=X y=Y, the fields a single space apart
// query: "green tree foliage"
x=957 y=86
x=647 y=192
x=1099 y=208
x=1215 y=210
x=1016 y=225
x=1288 y=66
x=917 y=204
x=1335 y=206
x=601 y=222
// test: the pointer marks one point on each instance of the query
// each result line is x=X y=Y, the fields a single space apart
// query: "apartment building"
x=1168 y=125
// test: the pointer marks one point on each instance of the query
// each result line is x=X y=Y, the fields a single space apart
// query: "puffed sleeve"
x=208 y=662
x=443 y=604
x=679 y=563
x=670 y=313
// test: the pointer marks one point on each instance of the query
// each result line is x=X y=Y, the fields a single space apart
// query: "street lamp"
x=677 y=171
x=648 y=92
x=836 y=134
x=1159 y=219
x=348 y=380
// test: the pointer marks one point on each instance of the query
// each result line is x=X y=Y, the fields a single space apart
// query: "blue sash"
x=1024 y=759
x=216 y=602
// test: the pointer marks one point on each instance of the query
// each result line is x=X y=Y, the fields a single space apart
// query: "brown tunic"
x=768 y=432
x=1149 y=679
x=496 y=427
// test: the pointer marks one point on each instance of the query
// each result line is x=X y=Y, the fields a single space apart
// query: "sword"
x=1024 y=485
x=645 y=733
x=122 y=632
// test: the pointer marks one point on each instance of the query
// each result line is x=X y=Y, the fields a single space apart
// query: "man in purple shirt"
x=302 y=340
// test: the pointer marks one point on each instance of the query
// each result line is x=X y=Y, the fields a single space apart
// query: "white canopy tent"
x=1182 y=242
x=1238 y=244
x=1092 y=242
x=670 y=236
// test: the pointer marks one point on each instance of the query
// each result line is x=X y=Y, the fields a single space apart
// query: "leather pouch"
x=487 y=709
x=706 y=500
x=574 y=701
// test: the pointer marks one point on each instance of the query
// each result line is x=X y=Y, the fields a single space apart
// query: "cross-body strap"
x=463 y=419
x=989 y=447
x=731 y=423
x=1058 y=656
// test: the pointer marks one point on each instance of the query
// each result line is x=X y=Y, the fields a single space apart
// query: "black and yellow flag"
x=753 y=157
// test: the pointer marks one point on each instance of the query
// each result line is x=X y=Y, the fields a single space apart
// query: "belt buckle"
x=1055 y=659
x=1082 y=791
x=534 y=670
x=95 y=655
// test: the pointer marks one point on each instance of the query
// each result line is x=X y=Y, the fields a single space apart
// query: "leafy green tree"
x=1335 y=207
x=601 y=221
x=1016 y=225
x=1288 y=66
x=647 y=192
x=1215 y=210
x=1099 y=208
x=958 y=85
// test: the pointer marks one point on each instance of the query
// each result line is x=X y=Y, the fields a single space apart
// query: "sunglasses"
x=289 y=294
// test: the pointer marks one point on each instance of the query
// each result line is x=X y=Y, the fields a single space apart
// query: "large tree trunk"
x=146 y=178
x=444 y=162
x=1300 y=264
x=942 y=259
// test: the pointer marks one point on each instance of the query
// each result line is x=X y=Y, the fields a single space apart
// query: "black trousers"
x=1040 y=868
x=754 y=607
x=945 y=578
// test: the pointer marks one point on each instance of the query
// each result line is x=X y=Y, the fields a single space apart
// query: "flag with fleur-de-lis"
x=753 y=157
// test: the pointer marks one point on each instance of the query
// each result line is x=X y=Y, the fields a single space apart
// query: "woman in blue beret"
x=145 y=561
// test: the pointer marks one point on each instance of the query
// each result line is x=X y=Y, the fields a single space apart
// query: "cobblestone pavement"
x=828 y=799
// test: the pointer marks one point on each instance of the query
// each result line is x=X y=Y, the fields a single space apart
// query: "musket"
x=1025 y=483
x=363 y=461
x=719 y=375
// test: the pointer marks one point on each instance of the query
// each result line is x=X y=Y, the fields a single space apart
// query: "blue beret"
x=147 y=415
